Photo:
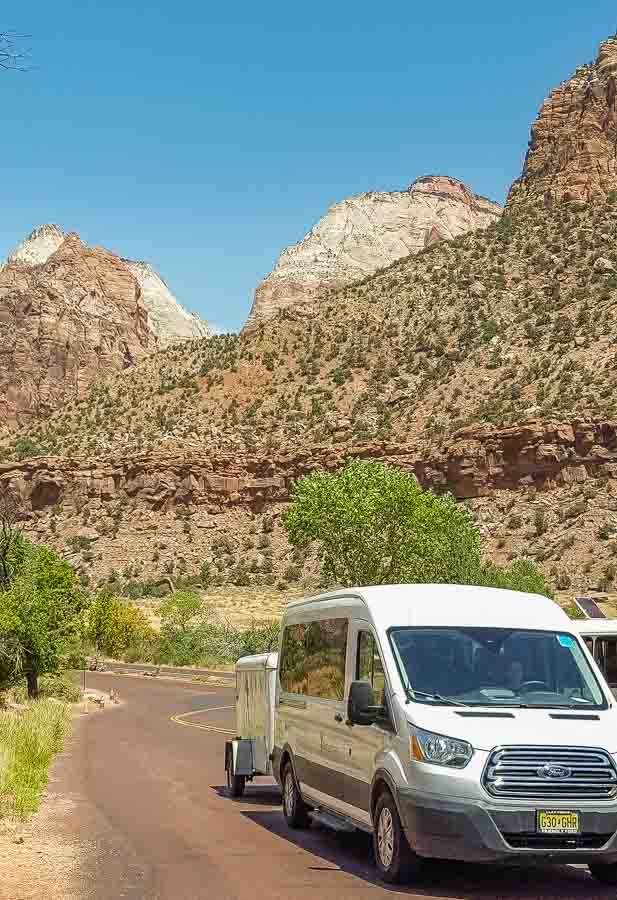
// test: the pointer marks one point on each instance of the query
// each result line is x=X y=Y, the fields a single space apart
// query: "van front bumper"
x=478 y=831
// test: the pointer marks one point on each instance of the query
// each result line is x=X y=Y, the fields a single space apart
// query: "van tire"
x=294 y=807
x=395 y=860
x=606 y=873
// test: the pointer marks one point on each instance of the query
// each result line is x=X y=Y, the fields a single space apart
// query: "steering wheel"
x=533 y=685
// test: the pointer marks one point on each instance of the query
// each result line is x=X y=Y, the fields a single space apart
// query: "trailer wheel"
x=235 y=784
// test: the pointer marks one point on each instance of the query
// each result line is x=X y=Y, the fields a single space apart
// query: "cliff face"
x=167 y=319
x=537 y=491
x=573 y=148
x=65 y=322
x=365 y=233
x=477 y=462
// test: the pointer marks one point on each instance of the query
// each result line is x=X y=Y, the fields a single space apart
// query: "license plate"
x=558 y=822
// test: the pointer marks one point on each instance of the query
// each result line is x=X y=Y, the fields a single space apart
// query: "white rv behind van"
x=453 y=722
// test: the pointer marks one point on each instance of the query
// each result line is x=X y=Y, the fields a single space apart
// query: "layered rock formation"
x=476 y=463
x=572 y=153
x=367 y=232
x=64 y=323
x=167 y=319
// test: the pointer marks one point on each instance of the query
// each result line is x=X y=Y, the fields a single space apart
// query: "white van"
x=600 y=635
x=450 y=722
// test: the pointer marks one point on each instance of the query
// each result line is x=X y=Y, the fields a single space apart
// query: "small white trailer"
x=249 y=754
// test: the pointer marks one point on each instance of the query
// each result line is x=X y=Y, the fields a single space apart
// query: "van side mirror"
x=360 y=709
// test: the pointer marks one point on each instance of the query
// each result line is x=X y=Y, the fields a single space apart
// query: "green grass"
x=28 y=743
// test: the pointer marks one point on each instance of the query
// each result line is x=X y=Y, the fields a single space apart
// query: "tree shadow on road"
x=353 y=854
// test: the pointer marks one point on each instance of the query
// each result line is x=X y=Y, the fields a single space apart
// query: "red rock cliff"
x=573 y=148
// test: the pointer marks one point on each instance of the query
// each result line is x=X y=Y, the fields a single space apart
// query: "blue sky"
x=206 y=137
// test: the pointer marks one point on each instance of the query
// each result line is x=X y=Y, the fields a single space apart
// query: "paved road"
x=164 y=829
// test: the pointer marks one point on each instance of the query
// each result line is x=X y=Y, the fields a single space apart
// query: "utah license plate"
x=558 y=822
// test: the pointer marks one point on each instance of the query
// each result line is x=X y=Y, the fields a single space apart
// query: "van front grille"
x=558 y=773
x=534 y=841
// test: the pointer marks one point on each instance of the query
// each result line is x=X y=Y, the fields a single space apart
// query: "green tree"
x=373 y=524
x=112 y=625
x=181 y=611
x=522 y=575
x=40 y=614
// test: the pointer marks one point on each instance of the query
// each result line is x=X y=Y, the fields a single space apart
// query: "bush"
x=28 y=743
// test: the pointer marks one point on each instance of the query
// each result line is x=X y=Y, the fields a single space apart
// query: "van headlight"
x=439 y=750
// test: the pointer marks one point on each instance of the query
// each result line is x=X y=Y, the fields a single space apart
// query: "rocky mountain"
x=369 y=232
x=71 y=315
x=486 y=364
x=511 y=323
x=571 y=153
x=65 y=321
x=167 y=319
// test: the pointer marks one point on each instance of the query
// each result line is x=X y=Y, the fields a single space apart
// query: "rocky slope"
x=508 y=324
x=545 y=492
x=369 y=232
x=572 y=152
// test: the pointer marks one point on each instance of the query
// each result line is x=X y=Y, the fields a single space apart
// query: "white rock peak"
x=367 y=232
x=169 y=321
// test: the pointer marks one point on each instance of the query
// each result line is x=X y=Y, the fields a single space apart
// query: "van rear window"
x=313 y=659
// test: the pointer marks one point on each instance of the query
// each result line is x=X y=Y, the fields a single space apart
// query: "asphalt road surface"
x=151 y=778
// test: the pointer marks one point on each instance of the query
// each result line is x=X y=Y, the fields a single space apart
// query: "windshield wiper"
x=412 y=693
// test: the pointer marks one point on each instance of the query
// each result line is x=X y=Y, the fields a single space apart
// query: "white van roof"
x=451 y=605
x=596 y=626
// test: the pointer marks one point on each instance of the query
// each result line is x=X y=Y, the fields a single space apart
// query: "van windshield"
x=495 y=667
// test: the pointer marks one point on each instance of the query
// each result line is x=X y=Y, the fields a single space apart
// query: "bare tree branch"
x=11 y=54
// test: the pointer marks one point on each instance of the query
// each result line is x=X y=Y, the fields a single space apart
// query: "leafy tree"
x=40 y=613
x=112 y=626
x=181 y=611
x=374 y=524
x=523 y=575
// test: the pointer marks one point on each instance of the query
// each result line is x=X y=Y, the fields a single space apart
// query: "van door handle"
x=338 y=718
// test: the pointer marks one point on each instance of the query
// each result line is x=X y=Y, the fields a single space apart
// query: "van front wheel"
x=604 y=872
x=294 y=808
x=395 y=860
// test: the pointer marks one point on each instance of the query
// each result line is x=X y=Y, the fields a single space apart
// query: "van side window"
x=326 y=651
x=369 y=667
x=293 y=660
x=606 y=654
x=313 y=659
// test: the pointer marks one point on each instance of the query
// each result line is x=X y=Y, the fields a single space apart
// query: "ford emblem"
x=554 y=772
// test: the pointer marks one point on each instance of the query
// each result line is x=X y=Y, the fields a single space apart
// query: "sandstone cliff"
x=64 y=323
x=167 y=319
x=538 y=491
x=368 y=232
x=572 y=151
